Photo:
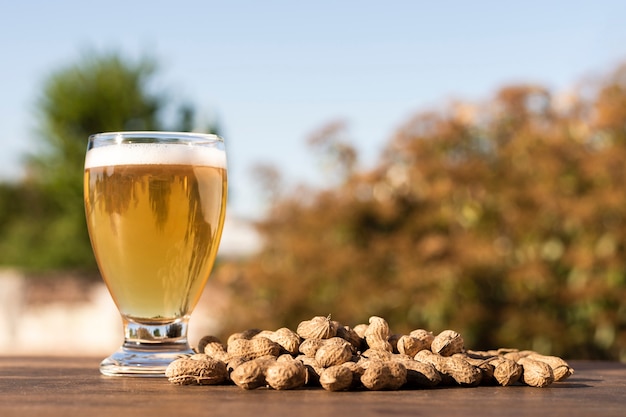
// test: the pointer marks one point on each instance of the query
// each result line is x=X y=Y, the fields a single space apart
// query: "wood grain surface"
x=74 y=387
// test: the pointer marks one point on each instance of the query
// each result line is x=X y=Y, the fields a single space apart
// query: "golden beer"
x=155 y=232
x=155 y=205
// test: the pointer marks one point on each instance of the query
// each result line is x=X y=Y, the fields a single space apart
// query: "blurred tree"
x=270 y=181
x=44 y=225
x=505 y=221
x=339 y=158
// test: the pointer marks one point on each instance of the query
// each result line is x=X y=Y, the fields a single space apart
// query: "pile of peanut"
x=323 y=352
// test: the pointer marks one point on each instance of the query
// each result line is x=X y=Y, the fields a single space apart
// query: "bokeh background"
x=451 y=165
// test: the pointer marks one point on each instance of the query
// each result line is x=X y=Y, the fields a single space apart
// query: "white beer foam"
x=154 y=154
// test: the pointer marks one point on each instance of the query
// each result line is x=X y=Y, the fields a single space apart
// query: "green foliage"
x=42 y=222
x=504 y=221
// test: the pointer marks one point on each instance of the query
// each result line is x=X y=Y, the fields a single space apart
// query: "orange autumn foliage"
x=504 y=220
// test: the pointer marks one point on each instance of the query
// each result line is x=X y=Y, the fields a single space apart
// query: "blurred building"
x=68 y=314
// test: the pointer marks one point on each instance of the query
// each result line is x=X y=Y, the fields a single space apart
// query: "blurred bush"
x=503 y=220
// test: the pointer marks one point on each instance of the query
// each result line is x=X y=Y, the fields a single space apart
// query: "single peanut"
x=447 y=343
x=254 y=348
x=213 y=347
x=309 y=347
x=463 y=372
x=506 y=371
x=317 y=328
x=251 y=374
x=377 y=334
x=334 y=351
x=438 y=362
x=288 y=340
x=424 y=336
x=379 y=375
x=286 y=375
x=410 y=345
x=198 y=369
x=536 y=373
x=419 y=374
x=336 y=378
x=560 y=368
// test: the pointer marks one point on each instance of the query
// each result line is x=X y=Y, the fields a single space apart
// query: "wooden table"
x=72 y=387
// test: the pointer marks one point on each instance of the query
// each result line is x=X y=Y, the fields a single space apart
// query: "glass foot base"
x=142 y=361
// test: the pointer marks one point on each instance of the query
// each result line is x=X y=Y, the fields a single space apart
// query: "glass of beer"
x=155 y=205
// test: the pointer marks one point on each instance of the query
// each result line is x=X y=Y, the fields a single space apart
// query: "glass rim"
x=154 y=148
x=162 y=135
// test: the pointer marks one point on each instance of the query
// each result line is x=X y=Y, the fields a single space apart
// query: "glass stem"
x=156 y=335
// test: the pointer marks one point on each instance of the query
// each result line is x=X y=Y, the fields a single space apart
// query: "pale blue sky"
x=275 y=71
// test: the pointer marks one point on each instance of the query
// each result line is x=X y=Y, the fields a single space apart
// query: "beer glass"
x=155 y=205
